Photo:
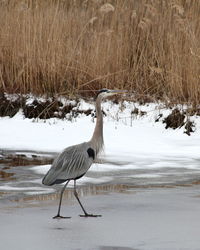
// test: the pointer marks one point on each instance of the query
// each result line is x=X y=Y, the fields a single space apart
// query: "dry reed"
x=55 y=46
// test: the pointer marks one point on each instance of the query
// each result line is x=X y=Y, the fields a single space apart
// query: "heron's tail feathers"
x=57 y=181
x=52 y=178
x=46 y=181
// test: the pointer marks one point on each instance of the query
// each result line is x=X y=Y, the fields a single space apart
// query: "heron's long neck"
x=97 y=138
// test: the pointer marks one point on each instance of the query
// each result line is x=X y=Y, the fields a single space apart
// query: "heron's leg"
x=85 y=213
x=58 y=216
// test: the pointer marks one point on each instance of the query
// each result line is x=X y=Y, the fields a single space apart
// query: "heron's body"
x=75 y=160
x=71 y=164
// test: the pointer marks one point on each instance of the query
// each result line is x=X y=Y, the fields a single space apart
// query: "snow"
x=131 y=141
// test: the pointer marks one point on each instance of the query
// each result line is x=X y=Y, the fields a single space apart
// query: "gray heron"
x=74 y=161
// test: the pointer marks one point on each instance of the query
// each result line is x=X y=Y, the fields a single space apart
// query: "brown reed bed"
x=65 y=46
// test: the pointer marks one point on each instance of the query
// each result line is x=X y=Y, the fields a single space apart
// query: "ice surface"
x=142 y=219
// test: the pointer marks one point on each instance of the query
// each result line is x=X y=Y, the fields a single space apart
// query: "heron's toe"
x=90 y=215
x=61 y=217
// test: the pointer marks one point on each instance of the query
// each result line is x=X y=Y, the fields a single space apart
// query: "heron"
x=74 y=161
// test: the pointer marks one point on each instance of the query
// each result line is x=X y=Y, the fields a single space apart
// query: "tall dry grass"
x=150 y=47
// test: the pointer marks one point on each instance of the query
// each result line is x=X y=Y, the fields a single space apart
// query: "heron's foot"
x=60 y=217
x=90 y=215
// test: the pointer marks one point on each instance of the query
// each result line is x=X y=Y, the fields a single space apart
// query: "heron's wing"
x=72 y=163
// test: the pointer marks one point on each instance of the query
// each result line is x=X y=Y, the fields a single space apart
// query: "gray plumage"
x=71 y=164
x=75 y=160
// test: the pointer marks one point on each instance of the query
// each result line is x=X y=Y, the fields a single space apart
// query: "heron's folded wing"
x=71 y=163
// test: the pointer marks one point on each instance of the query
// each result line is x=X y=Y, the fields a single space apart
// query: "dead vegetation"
x=174 y=120
x=10 y=107
x=15 y=160
x=55 y=46
x=47 y=109
x=42 y=108
x=178 y=119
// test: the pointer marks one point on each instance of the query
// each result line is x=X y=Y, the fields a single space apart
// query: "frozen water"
x=142 y=219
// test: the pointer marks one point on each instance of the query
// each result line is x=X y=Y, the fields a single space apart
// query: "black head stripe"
x=101 y=91
x=91 y=153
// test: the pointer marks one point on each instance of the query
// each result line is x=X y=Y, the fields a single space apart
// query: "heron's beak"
x=113 y=92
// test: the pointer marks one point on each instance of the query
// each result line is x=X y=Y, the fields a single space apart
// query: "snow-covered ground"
x=126 y=136
x=132 y=142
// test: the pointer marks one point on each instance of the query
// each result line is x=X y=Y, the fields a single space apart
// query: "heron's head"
x=103 y=93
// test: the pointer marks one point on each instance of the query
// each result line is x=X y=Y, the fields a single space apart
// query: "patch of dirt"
x=139 y=112
x=4 y=176
x=174 y=120
x=87 y=112
x=22 y=160
x=10 y=107
x=47 y=109
x=189 y=127
x=177 y=120
x=43 y=109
